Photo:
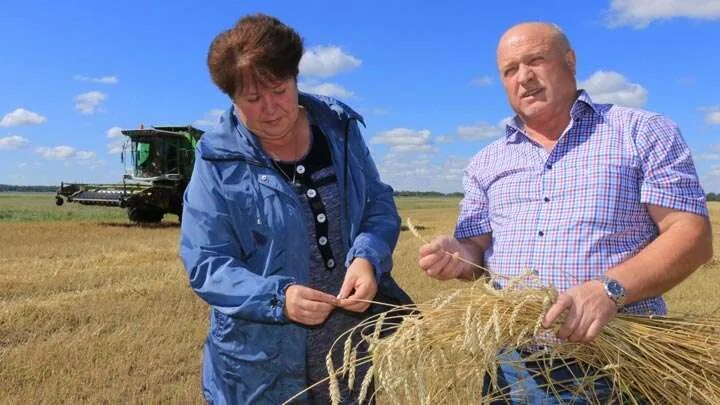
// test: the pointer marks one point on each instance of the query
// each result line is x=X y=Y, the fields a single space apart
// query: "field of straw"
x=95 y=310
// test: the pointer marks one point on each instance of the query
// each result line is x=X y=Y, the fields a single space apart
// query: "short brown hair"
x=258 y=43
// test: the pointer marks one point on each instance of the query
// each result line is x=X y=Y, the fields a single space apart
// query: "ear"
x=571 y=61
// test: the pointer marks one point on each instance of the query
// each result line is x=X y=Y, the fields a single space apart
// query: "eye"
x=510 y=71
x=536 y=60
x=279 y=90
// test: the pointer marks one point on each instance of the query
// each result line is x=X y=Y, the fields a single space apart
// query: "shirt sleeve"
x=669 y=176
x=474 y=218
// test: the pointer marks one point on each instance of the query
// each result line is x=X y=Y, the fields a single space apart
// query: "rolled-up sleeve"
x=669 y=176
x=474 y=218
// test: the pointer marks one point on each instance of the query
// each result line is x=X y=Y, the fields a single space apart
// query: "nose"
x=268 y=103
x=525 y=73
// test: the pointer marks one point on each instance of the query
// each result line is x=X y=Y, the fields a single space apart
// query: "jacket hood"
x=231 y=140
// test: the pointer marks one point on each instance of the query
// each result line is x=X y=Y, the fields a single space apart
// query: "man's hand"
x=438 y=264
x=588 y=308
x=308 y=306
x=359 y=284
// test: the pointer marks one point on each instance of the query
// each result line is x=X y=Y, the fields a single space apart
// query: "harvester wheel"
x=145 y=214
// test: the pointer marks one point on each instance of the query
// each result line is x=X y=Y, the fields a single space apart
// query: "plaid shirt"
x=572 y=214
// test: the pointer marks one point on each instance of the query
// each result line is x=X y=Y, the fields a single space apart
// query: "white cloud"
x=710 y=180
x=612 y=87
x=117 y=140
x=405 y=140
x=326 y=89
x=13 y=142
x=482 y=81
x=640 y=13
x=101 y=80
x=708 y=156
x=709 y=153
x=712 y=114
x=421 y=172
x=443 y=139
x=89 y=103
x=209 y=119
x=85 y=155
x=65 y=152
x=479 y=131
x=115 y=148
x=21 y=116
x=115 y=133
x=325 y=61
x=56 y=153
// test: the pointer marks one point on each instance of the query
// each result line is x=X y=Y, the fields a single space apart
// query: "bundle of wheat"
x=449 y=350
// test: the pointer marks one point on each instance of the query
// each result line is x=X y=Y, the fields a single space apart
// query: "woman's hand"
x=308 y=306
x=359 y=284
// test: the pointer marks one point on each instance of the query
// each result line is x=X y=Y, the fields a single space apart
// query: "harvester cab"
x=161 y=161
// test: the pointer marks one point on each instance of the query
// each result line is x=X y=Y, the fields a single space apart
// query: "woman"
x=287 y=229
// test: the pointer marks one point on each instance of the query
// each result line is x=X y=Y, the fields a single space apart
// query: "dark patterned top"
x=317 y=189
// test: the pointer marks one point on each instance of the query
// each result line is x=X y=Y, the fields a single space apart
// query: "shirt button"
x=330 y=263
x=311 y=193
x=541 y=233
x=322 y=241
x=548 y=166
x=300 y=169
x=321 y=218
x=546 y=199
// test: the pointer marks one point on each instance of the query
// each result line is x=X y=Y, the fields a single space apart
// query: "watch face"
x=614 y=288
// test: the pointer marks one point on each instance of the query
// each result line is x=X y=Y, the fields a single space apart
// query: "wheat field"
x=95 y=310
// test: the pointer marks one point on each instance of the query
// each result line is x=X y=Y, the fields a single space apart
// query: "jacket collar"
x=231 y=140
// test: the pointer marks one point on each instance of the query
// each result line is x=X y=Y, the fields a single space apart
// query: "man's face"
x=538 y=73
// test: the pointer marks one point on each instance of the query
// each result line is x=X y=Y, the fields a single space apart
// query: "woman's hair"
x=258 y=44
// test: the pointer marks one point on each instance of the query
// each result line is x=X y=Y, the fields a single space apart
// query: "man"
x=601 y=201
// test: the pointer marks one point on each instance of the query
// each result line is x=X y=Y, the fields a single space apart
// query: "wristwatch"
x=614 y=290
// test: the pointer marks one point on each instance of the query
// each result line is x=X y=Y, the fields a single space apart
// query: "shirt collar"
x=583 y=104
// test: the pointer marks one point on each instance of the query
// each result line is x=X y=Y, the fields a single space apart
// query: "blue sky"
x=423 y=75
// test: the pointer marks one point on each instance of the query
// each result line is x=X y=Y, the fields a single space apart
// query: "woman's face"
x=268 y=109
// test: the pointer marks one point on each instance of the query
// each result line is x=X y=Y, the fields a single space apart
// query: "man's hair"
x=258 y=44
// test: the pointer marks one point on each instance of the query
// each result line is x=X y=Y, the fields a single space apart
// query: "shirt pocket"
x=607 y=191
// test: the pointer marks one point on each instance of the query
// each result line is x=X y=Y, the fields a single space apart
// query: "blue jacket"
x=244 y=240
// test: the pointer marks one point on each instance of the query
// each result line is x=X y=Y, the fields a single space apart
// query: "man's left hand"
x=588 y=308
x=359 y=284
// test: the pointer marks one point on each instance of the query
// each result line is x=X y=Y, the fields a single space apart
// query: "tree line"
x=39 y=189
x=8 y=187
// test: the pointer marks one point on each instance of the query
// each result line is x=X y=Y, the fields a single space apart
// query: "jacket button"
x=321 y=218
x=322 y=241
x=263 y=177
x=330 y=263
x=300 y=169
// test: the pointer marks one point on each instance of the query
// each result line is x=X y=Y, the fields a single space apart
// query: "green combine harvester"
x=162 y=160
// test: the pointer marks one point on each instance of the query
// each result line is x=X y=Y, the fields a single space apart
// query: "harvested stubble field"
x=95 y=310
